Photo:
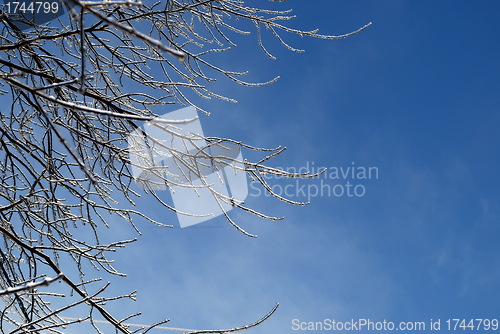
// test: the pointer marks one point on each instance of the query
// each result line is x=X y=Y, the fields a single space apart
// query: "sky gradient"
x=416 y=95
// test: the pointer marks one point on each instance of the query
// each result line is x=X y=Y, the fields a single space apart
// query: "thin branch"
x=30 y=286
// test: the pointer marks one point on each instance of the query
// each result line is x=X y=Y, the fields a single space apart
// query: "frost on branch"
x=72 y=90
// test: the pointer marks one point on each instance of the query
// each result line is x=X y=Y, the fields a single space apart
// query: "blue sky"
x=416 y=96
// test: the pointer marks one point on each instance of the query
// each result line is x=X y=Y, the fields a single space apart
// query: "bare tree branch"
x=74 y=91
